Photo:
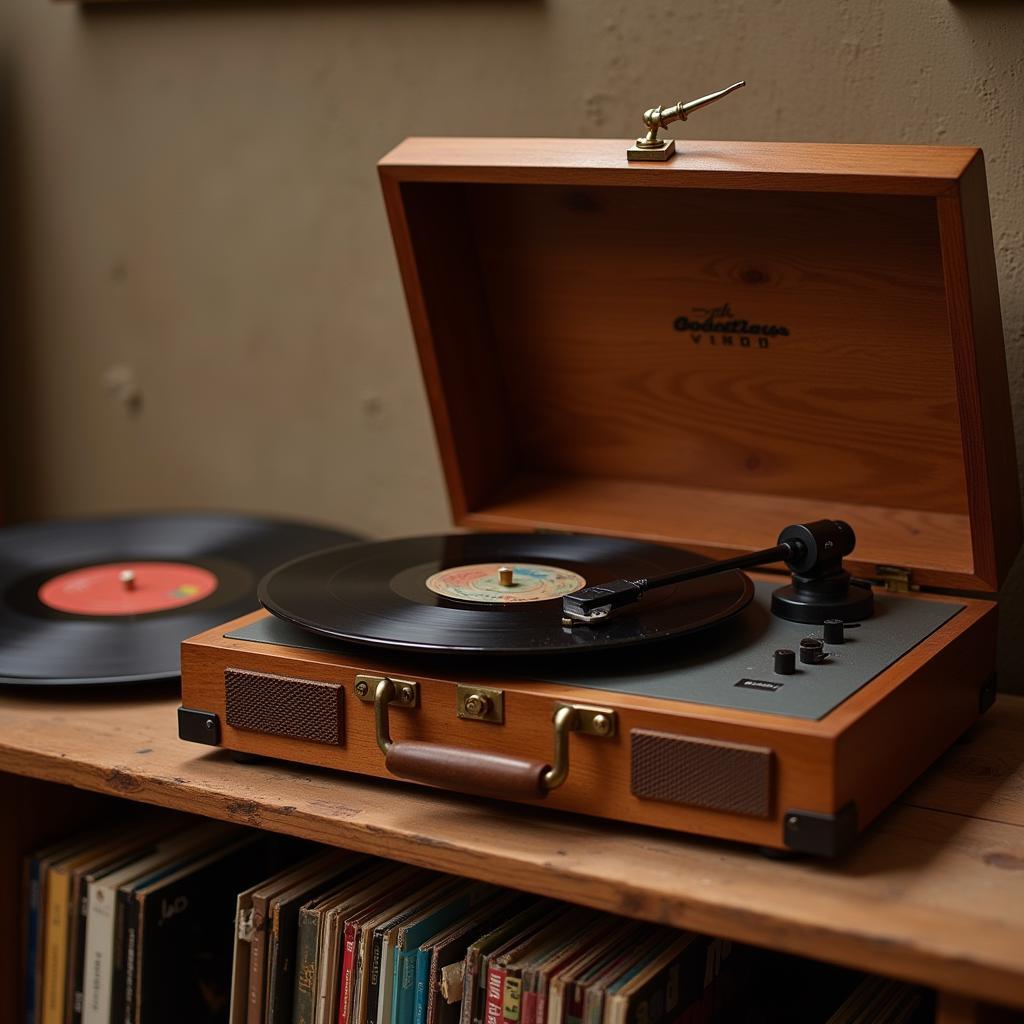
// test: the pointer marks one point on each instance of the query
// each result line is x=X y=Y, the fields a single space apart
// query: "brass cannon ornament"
x=649 y=146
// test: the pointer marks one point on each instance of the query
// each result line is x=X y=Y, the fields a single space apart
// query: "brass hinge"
x=895 y=579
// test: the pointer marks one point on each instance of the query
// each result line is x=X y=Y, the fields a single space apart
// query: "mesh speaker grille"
x=279 y=706
x=702 y=773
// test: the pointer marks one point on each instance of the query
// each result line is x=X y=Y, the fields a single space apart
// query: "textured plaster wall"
x=203 y=302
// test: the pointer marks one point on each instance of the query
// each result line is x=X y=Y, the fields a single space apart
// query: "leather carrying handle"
x=470 y=771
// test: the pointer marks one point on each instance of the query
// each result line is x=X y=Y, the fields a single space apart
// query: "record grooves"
x=110 y=600
x=378 y=594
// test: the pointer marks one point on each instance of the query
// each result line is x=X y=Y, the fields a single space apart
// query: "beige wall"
x=191 y=203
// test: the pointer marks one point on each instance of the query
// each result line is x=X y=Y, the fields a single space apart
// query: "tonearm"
x=813 y=552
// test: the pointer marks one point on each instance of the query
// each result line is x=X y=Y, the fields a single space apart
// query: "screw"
x=793 y=822
x=361 y=688
x=208 y=725
x=601 y=725
x=476 y=705
x=406 y=695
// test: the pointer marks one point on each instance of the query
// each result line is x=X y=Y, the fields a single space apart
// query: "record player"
x=635 y=366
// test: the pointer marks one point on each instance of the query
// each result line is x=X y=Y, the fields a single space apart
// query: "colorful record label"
x=127 y=588
x=483 y=582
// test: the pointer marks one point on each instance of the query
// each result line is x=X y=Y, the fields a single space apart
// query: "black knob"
x=835 y=631
x=785 y=661
x=812 y=650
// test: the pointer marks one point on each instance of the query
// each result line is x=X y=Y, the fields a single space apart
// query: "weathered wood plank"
x=981 y=776
x=931 y=894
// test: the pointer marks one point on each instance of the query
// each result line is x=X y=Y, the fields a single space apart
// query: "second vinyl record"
x=493 y=593
x=101 y=601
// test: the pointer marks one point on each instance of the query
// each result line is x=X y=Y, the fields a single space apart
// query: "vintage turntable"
x=650 y=364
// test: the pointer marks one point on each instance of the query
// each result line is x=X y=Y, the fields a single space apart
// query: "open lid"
x=704 y=351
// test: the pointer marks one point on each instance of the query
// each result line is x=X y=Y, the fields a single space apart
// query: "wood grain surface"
x=933 y=893
x=558 y=296
x=804 y=167
x=935 y=544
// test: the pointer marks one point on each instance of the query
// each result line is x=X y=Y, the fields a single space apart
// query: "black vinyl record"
x=110 y=600
x=441 y=595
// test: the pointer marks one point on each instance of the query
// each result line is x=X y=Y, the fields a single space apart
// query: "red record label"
x=127 y=588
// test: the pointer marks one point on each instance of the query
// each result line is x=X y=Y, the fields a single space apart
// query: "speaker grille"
x=702 y=773
x=280 y=706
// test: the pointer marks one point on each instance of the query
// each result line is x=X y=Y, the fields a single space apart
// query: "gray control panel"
x=731 y=666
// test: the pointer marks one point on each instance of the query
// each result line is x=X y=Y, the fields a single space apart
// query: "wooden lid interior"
x=698 y=366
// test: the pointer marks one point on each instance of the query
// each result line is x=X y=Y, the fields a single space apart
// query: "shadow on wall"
x=103 y=8
x=981 y=5
x=15 y=330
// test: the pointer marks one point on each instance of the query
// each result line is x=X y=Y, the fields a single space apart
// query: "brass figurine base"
x=664 y=149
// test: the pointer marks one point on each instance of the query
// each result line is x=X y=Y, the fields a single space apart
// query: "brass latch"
x=649 y=146
x=480 y=704
x=895 y=579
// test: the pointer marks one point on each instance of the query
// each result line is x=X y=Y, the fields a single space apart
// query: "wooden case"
x=697 y=353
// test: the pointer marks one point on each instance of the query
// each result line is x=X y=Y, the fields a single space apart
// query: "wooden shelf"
x=933 y=893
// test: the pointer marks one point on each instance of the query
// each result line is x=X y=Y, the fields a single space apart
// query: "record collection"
x=103 y=601
x=167 y=920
